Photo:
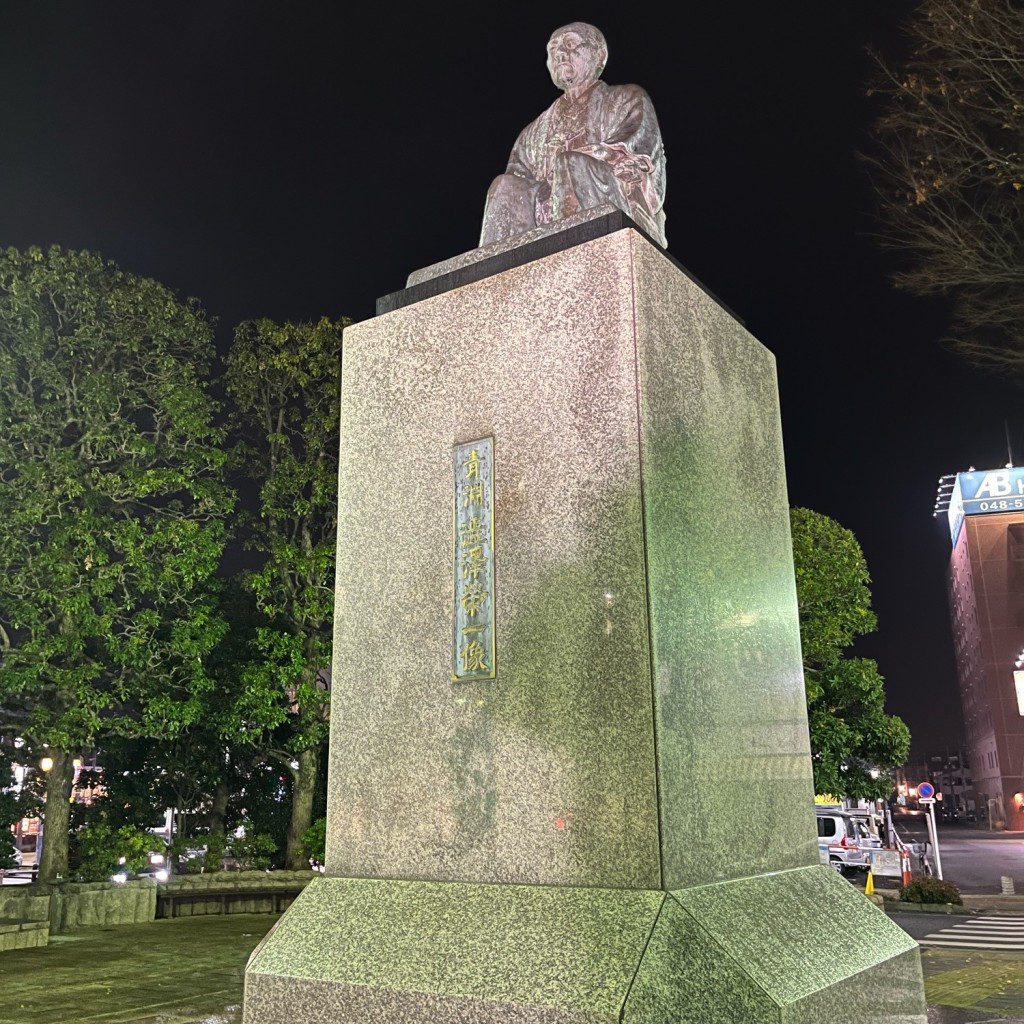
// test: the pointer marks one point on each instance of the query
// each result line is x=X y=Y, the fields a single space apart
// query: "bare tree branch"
x=948 y=169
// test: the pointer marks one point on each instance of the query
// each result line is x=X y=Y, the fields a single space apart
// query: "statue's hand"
x=626 y=166
x=630 y=167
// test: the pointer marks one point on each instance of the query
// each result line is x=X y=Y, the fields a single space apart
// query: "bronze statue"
x=595 y=144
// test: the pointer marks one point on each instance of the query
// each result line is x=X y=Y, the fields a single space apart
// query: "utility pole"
x=933 y=832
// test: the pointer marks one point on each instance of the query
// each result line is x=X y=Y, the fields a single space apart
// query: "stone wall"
x=72 y=906
x=23 y=934
x=77 y=905
x=25 y=902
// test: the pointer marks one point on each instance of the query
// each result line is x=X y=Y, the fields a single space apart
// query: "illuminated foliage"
x=950 y=169
x=10 y=809
x=854 y=742
x=285 y=383
x=112 y=510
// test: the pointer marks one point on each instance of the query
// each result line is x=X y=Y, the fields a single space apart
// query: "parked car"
x=844 y=839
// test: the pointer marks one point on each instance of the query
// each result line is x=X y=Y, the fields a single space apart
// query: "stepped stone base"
x=558 y=844
x=796 y=946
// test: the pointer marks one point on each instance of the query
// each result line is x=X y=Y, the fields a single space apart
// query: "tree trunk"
x=302 y=808
x=219 y=807
x=57 y=816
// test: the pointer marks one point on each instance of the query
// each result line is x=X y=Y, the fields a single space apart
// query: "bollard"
x=1007 y=883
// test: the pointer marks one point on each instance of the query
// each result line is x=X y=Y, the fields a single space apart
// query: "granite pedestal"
x=619 y=826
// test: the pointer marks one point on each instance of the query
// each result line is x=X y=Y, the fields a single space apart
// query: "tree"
x=112 y=511
x=950 y=169
x=285 y=383
x=10 y=807
x=854 y=742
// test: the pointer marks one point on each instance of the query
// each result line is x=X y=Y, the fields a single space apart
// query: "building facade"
x=986 y=599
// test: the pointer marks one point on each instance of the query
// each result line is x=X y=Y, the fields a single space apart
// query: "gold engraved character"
x=473 y=655
x=473 y=494
x=473 y=599
x=471 y=532
x=473 y=563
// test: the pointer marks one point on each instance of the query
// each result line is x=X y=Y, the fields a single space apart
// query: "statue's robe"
x=603 y=147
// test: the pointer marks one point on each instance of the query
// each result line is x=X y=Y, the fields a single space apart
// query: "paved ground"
x=166 y=972
x=189 y=971
x=962 y=986
x=975 y=859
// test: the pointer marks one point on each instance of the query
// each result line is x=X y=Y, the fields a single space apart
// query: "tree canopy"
x=950 y=169
x=10 y=809
x=284 y=380
x=854 y=742
x=112 y=509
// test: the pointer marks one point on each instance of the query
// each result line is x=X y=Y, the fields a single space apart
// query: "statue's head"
x=577 y=54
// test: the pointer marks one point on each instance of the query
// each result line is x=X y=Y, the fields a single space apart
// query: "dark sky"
x=298 y=160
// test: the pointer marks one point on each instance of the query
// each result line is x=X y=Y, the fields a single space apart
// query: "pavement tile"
x=986 y=983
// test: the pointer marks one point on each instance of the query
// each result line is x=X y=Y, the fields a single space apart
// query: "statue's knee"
x=509 y=186
x=509 y=209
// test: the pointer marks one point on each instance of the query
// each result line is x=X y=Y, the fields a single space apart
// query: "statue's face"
x=574 y=59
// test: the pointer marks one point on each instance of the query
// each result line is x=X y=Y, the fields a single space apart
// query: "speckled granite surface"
x=730 y=710
x=797 y=946
x=565 y=954
x=547 y=774
x=499 y=850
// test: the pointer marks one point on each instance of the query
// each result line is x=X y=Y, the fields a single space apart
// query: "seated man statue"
x=596 y=144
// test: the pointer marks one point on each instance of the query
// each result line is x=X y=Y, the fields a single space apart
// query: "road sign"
x=926 y=800
x=926 y=790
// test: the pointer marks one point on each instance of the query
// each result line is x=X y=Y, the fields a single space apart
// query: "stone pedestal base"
x=619 y=826
x=797 y=946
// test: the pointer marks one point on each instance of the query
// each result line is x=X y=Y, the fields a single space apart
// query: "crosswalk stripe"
x=1005 y=934
x=988 y=931
x=1006 y=947
x=1008 y=923
x=983 y=926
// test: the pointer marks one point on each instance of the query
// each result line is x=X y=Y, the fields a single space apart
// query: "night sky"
x=299 y=160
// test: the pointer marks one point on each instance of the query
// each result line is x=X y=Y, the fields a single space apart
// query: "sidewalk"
x=963 y=986
x=994 y=904
x=189 y=971
x=974 y=903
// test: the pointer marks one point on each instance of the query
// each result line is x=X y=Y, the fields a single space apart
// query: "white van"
x=845 y=839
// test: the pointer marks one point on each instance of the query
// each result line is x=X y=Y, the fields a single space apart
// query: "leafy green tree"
x=854 y=743
x=112 y=511
x=104 y=849
x=949 y=169
x=315 y=841
x=285 y=381
x=10 y=808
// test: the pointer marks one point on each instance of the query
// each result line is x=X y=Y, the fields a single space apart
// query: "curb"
x=1012 y=906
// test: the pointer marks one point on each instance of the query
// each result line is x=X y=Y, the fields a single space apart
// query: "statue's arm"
x=523 y=161
x=631 y=142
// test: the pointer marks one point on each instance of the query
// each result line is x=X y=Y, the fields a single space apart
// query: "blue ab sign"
x=983 y=492
x=926 y=790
